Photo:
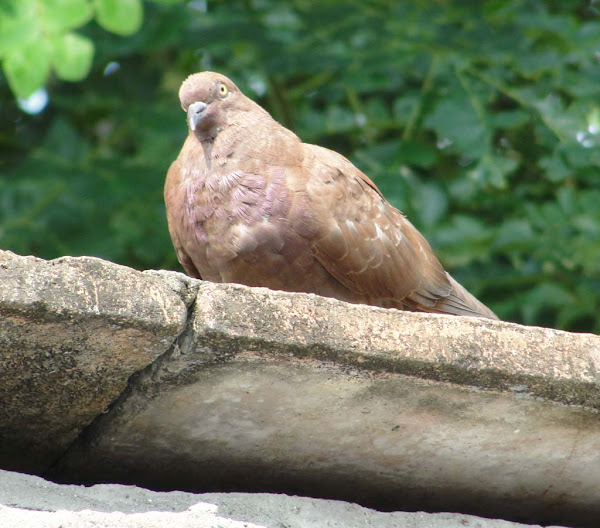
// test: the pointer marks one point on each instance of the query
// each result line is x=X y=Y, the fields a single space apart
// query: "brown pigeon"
x=248 y=202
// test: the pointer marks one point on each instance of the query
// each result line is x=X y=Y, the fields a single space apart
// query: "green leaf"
x=567 y=199
x=123 y=17
x=417 y=153
x=544 y=296
x=405 y=105
x=456 y=120
x=566 y=123
x=72 y=56
x=63 y=15
x=514 y=234
x=431 y=202
x=462 y=240
x=18 y=25
x=27 y=68
x=555 y=168
x=508 y=119
x=492 y=170
x=339 y=120
x=533 y=64
x=63 y=141
x=462 y=230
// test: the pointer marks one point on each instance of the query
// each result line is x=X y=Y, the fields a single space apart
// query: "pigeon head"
x=209 y=99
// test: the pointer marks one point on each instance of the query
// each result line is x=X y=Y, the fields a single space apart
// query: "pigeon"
x=248 y=202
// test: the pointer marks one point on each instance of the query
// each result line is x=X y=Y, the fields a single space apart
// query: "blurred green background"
x=479 y=120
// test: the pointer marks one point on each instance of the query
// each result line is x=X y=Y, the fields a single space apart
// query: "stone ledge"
x=109 y=374
x=557 y=365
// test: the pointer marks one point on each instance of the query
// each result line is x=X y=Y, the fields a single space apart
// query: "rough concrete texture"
x=30 y=502
x=246 y=389
x=470 y=351
x=388 y=441
x=72 y=331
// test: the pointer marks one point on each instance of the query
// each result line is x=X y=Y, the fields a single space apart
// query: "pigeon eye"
x=223 y=90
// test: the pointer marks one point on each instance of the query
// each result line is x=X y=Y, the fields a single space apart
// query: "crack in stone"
x=139 y=380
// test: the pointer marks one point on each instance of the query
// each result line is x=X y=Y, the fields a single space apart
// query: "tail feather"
x=461 y=302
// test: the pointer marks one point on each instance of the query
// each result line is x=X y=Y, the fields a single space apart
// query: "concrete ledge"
x=544 y=362
x=154 y=379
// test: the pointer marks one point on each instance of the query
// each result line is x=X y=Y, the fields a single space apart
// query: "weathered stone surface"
x=301 y=394
x=248 y=389
x=389 y=441
x=488 y=354
x=27 y=501
x=72 y=331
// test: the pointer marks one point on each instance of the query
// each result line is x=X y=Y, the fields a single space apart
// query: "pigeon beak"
x=195 y=114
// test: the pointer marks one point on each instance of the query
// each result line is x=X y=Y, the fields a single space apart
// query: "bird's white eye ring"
x=223 y=91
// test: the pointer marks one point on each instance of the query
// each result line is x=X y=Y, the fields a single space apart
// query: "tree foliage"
x=37 y=37
x=479 y=120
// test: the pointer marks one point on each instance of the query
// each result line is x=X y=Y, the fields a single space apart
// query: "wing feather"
x=371 y=248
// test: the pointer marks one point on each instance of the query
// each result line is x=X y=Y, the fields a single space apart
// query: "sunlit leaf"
x=27 y=68
x=62 y=15
x=123 y=17
x=72 y=56
x=19 y=25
